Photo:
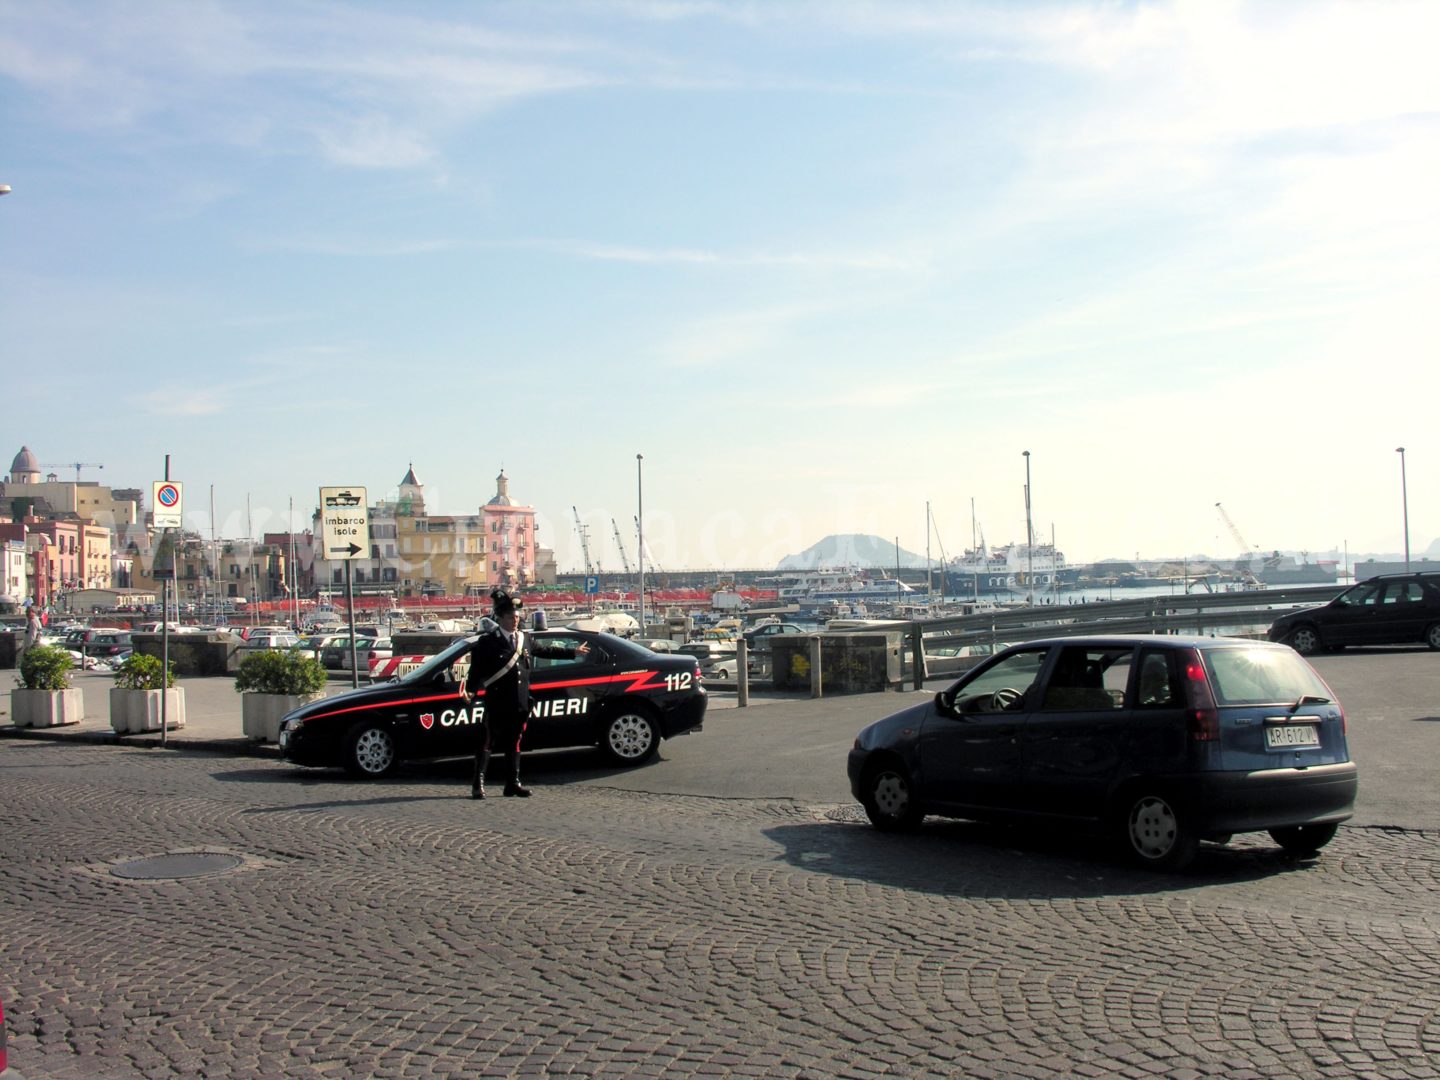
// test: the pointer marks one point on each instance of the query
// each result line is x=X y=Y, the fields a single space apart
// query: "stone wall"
x=194 y=654
x=850 y=663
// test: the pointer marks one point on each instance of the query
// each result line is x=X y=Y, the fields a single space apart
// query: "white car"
x=717 y=659
x=271 y=641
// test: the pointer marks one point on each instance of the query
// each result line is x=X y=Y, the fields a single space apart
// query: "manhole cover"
x=185 y=864
x=852 y=813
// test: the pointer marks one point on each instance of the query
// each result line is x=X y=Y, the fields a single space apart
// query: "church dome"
x=502 y=492
x=25 y=462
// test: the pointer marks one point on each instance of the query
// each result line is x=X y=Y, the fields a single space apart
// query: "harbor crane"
x=76 y=465
x=619 y=543
x=584 y=542
x=643 y=548
x=1242 y=563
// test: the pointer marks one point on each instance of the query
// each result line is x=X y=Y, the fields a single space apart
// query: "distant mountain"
x=852 y=549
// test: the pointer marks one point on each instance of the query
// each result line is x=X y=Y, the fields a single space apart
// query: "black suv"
x=1392 y=609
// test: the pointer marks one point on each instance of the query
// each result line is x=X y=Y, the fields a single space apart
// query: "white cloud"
x=375 y=142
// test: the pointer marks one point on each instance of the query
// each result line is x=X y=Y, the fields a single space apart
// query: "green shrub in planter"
x=274 y=672
x=45 y=667
x=139 y=672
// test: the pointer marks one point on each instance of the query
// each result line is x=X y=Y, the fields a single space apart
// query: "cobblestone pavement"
x=398 y=929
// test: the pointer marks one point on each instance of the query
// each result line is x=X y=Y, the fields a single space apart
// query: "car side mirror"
x=945 y=701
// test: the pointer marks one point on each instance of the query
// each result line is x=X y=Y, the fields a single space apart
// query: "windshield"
x=1261 y=677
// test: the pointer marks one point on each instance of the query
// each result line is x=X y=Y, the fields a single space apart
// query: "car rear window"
x=1261 y=676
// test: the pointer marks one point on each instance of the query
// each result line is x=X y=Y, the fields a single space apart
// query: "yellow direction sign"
x=344 y=523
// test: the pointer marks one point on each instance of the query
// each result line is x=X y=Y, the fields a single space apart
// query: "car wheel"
x=370 y=750
x=1432 y=636
x=1303 y=839
x=889 y=798
x=1156 y=834
x=1305 y=640
x=631 y=737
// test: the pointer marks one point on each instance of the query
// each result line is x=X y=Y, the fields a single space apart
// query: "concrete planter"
x=136 y=711
x=46 y=708
x=260 y=713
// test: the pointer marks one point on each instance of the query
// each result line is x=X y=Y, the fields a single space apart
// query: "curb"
x=150 y=741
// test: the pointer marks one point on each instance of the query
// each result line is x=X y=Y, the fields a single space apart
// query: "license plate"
x=1283 y=736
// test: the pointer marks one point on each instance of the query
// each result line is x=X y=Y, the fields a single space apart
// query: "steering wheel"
x=1005 y=699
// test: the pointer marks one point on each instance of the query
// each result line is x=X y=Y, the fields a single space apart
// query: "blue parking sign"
x=592 y=583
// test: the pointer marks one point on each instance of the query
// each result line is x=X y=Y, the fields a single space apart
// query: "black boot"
x=477 y=783
x=513 y=788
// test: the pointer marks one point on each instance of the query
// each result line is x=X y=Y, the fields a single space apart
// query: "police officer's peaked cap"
x=504 y=602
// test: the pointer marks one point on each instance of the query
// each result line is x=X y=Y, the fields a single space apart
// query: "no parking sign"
x=169 y=503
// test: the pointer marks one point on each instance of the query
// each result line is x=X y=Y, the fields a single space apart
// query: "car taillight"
x=1202 y=716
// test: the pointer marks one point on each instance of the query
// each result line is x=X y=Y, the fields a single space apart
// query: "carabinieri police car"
x=615 y=695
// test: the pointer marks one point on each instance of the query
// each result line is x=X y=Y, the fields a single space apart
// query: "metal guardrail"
x=1179 y=613
x=1187 y=613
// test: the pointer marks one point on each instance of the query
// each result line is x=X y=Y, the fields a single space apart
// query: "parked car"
x=706 y=649
x=614 y=695
x=314 y=643
x=368 y=653
x=717 y=658
x=1164 y=741
x=759 y=637
x=271 y=641
x=1391 y=609
x=100 y=643
x=724 y=668
x=335 y=653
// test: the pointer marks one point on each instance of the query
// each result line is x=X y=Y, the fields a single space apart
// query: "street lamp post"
x=1404 y=506
x=1029 y=536
x=640 y=531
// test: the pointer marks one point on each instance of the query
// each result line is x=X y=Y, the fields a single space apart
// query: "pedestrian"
x=32 y=626
x=500 y=669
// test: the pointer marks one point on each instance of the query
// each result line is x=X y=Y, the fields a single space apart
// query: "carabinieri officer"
x=500 y=666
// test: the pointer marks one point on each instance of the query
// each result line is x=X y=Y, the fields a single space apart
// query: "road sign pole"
x=345 y=535
x=350 y=604
x=165 y=637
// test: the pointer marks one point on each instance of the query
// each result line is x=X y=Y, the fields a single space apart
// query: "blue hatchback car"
x=1166 y=741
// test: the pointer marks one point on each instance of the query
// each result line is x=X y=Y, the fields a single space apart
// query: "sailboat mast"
x=929 y=574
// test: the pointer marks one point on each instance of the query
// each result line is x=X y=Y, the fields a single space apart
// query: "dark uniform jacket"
x=507 y=699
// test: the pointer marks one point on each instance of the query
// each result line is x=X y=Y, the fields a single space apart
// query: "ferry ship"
x=1008 y=570
x=810 y=589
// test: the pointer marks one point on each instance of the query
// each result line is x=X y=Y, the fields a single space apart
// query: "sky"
x=759 y=272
